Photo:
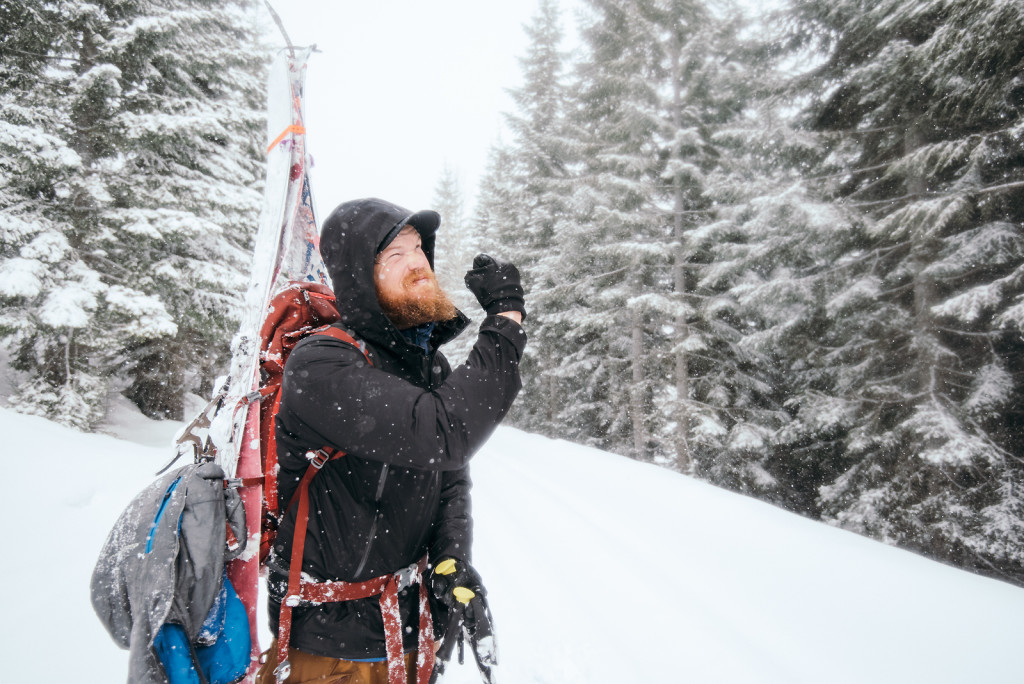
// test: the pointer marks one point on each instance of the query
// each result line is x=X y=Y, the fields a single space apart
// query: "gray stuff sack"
x=163 y=562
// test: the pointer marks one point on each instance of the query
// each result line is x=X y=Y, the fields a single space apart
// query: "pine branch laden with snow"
x=133 y=138
x=802 y=263
x=920 y=339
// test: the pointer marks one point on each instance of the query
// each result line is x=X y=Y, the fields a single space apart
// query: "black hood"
x=350 y=239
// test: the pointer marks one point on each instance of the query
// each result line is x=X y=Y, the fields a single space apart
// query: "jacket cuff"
x=507 y=328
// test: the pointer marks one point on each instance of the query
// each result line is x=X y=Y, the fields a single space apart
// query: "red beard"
x=416 y=303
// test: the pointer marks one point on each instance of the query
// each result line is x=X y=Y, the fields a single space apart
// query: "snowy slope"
x=600 y=570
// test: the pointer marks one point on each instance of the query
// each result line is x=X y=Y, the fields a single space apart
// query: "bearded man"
x=397 y=505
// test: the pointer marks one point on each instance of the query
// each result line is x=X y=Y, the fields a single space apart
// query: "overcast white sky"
x=402 y=87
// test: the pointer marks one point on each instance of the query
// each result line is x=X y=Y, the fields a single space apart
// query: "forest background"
x=783 y=254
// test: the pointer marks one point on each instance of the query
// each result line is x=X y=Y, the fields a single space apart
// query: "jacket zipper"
x=376 y=518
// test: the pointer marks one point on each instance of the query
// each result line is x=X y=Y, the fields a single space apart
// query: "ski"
x=286 y=249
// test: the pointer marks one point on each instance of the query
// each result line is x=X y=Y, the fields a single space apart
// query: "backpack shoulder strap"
x=338 y=334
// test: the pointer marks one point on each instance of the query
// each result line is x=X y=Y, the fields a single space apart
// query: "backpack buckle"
x=406 y=577
x=318 y=458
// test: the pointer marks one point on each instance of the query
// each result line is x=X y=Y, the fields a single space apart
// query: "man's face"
x=406 y=287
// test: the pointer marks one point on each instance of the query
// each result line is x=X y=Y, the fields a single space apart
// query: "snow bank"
x=599 y=570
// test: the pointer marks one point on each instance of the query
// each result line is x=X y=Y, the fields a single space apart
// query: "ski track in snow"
x=599 y=570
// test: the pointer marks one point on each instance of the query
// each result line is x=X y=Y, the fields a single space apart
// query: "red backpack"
x=299 y=310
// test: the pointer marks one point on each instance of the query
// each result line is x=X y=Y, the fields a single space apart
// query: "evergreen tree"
x=187 y=190
x=610 y=258
x=454 y=240
x=658 y=82
x=454 y=252
x=521 y=212
x=145 y=132
x=920 y=354
x=694 y=58
x=51 y=294
x=757 y=246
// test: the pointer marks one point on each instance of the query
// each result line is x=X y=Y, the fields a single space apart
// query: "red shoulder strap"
x=338 y=334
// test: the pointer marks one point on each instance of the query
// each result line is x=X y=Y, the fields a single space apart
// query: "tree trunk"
x=636 y=395
x=57 y=369
x=554 y=399
x=924 y=286
x=158 y=385
x=682 y=364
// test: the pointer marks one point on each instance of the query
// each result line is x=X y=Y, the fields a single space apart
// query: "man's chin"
x=421 y=302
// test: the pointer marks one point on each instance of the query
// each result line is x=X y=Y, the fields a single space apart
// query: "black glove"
x=457 y=586
x=496 y=285
x=455 y=582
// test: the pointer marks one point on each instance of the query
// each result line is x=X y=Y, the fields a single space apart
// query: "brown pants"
x=312 y=668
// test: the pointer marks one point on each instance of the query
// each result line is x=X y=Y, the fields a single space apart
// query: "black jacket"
x=408 y=424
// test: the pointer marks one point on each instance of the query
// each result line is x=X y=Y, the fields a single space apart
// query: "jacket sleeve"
x=330 y=393
x=453 y=536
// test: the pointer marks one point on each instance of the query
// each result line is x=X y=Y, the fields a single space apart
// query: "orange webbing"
x=297 y=130
x=284 y=628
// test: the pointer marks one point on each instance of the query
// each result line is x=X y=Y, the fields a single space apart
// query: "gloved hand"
x=496 y=285
x=457 y=585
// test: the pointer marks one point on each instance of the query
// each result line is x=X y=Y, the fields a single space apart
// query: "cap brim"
x=425 y=222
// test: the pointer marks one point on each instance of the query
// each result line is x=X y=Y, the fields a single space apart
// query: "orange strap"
x=297 y=130
x=291 y=598
x=343 y=336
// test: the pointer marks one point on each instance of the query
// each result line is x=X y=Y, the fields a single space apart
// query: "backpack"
x=298 y=311
x=160 y=585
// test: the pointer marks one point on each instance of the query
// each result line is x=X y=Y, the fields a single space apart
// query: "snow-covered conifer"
x=185 y=189
x=522 y=205
x=922 y=347
x=50 y=294
x=456 y=246
x=138 y=194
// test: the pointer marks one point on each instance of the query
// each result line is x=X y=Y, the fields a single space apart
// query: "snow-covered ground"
x=599 y=569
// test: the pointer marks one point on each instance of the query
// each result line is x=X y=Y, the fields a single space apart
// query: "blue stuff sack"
x=222 y=648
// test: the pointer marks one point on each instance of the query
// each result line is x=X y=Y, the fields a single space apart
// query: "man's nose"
x=418 y=261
